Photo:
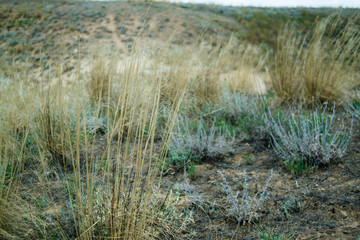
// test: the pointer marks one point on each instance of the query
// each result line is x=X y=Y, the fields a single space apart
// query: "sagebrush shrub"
x=201 y=141
x=312 y=137
x=241 y=109
x=246 y=209
x=354 y=108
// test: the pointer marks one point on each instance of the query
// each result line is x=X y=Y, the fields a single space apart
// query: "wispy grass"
x=317 y=67
x=110 y=183
x=238 y=66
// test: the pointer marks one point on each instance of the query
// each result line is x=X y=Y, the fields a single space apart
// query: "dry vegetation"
x=94 y=151
x=318 y=67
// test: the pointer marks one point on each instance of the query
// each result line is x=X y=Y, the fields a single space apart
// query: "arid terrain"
x=134 y=120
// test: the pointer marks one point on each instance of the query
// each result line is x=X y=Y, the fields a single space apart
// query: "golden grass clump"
x=238 y=66
x=321 y=66
x=124 y=204
x=108 y=181
x=17 y=106
x=99 y=86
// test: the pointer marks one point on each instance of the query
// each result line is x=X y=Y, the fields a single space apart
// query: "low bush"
x=354 y=108
x=196 y=141
x=307 y=139
x=242 y=110
x=202 y=141
x=246 y=209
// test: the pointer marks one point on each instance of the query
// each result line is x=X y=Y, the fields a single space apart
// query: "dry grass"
x=238 y=66
x=17 y=105
x=317 y=67
x=208 y=69
x=83 y=161
x=108 y=192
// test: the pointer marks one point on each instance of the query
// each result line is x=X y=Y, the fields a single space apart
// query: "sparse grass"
x=299 y=166
x=249 y=159
x=290 y=205
x=99 y=86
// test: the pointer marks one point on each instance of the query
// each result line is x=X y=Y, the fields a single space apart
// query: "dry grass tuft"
x=317 y=67
x=238 y=66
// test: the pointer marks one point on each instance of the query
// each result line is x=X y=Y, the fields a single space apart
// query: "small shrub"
x=354 y=108
x=246 y=209
x=201 y=142
x=268 y=234
x=242 y=110
x=306 y=140
x=249 y=159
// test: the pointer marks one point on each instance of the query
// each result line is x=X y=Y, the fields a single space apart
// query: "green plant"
x=249 y=159
x=299 y=166
x=246 y=209
x=265 y=233
x=182 y=161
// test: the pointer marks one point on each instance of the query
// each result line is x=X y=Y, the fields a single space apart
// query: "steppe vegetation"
x=177 y=121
